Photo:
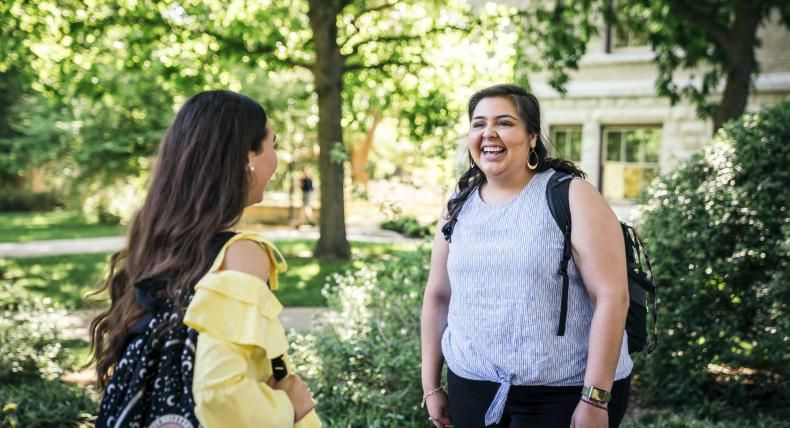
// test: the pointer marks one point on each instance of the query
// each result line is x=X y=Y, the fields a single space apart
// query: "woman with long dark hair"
x=192 y=335
x=492 y=302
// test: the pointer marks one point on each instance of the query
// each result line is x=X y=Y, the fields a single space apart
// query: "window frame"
x=641 y=163
x=568 y=129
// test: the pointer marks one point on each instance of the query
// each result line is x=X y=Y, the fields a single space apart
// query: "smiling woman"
x=499 y=142
x=492 y=307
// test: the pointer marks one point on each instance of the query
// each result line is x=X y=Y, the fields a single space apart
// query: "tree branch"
x=717 y=32
x=381 y=65
x=354 y=20
x=399 y=38
x=240 y=46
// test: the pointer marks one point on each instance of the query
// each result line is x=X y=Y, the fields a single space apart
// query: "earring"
x=251 y=168
x=530 y=164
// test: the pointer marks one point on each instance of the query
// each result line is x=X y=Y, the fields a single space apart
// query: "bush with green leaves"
x=45 y=403
x=29 y=342
x=718 y=231
x=666 y=418
x=408 y=226
x=12 y=199
x=364 y=363
x=32 y=360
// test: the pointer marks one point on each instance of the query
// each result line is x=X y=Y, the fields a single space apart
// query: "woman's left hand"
x=589 y=416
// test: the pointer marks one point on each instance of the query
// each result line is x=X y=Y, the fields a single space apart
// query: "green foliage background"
x=364 y=362
x=718 y=231
x=32 y=358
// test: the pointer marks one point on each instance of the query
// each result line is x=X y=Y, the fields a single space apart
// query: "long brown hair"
x=199 y=188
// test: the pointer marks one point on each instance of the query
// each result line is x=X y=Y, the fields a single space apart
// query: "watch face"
x=600 y=395
x=597 y=395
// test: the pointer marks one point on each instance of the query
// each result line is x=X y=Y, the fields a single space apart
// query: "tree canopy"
x=713 y=40
x=113 y=70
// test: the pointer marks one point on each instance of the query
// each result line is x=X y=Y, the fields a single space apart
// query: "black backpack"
x=151 y=386
x=640 y=284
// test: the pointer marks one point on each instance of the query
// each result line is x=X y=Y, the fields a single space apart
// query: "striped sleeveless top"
x=504 y=308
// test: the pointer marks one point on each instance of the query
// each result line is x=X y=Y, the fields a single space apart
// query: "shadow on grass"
x=67 y=279
x=64 y=279
x=306 y=276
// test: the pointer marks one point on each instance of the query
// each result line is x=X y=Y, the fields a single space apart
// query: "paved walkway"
x=114 y=243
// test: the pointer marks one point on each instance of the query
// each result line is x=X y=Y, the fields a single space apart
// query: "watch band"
x=598 y=395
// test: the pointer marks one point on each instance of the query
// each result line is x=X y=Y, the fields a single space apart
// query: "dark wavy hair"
x=528 y=110
x=199 y=188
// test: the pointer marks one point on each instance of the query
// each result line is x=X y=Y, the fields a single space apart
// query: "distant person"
x=306 y=186
x=192 y=336
x=492 y=307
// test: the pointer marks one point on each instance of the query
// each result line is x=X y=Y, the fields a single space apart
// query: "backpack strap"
x=557 y=191
x=145 y=290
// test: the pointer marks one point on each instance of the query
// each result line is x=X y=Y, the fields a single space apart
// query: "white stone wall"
x=619 y=89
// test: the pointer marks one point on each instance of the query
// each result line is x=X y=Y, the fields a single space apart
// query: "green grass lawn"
x=67 y=279
x=34 y=226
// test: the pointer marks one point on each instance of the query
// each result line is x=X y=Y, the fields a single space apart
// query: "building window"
x=630 y=160
x=619 y=37
x=567 y=141
x=623 y=37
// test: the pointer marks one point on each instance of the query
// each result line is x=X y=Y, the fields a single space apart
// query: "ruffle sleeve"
x=276 y=259
x=239 y=308
x=236 y=315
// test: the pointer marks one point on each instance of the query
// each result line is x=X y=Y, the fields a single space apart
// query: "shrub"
x=12 y=199
x=29 y=344
x=675 y=419
x=718 y=231
x=45 y=403
x=408 y=226
x=31 y=362
x=364 y=364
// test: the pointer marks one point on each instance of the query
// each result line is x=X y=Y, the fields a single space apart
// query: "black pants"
x=526 y=406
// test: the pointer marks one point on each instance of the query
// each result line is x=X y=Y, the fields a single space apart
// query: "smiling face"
x=498 y=140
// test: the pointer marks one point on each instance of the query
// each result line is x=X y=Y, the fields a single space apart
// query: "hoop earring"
x=530 y=164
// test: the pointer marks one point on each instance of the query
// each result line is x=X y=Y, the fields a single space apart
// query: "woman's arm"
x=224 y=395
x=598 y=251
x=433 y=322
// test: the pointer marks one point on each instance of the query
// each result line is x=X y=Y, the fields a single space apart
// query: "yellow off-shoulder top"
x=236 y=315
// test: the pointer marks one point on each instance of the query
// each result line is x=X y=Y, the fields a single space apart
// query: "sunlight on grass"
x=307 y=271
x=68 y=279
x=24 y=227
x=64 y=279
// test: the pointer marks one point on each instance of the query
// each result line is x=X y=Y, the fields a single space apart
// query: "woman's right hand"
x=297 y=392
x=439 y=410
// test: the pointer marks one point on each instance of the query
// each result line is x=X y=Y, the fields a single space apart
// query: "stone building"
x=612 y=122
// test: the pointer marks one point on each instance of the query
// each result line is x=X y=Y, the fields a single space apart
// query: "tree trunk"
x=328 y=75
x=360 y=153
x=741 y=63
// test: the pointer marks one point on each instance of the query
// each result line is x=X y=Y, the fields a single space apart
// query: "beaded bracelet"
x=428 y=394
x=592 y=403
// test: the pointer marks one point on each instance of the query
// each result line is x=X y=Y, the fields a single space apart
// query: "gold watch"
x=599 y=395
